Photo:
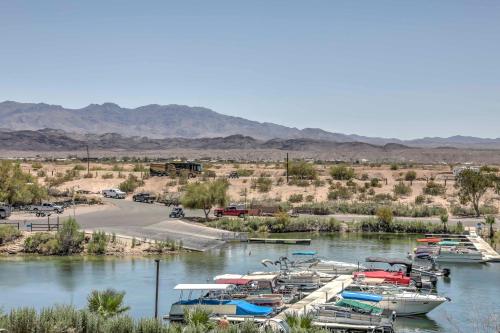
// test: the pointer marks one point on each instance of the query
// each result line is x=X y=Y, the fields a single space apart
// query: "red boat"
x=391 y=277
x=429 y=240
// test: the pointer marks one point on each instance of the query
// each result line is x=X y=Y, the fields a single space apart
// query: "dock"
x=305 y=241
x=489 y=254
x=320 y=296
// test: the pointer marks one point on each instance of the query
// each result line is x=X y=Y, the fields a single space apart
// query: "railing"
x=16 y=224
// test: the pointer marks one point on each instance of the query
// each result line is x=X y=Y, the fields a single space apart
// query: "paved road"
x=149 y=221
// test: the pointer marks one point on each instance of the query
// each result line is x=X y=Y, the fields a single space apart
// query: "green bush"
x=469 y=211
x=419 y=200
x=433 y=188
x=108 y=175
x=37 y=243
x=340 y=193
x=302 y=170
x=294 y=198
x=8 y=233
x=262 y=184
x=299 y=182
x=341 y=172
x=279 y=223
x=131 y=184
x=79 y=167
x=400 y=189
x=244 y=172
x=98 y=243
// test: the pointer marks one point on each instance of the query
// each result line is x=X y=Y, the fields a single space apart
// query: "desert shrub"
x=299 y=182
x=131 y=184
x=309 y=198
x=70 y=237
x=340 y=193
x=375 y=182
x=294 y=198
x=401 y=189
x=433 y=188
x=8 y=233
x=41 y=173
x=108 y=175
x=280 y=181
x=165 y=246
x=302 y=170
x=79 y=167
x=318 y=183
x=394 y=167
x=117 y=167
x=88 y=175
x=36 y=166
x=139 y=167
x=262 y=184
x=341 y=172
x=416 y=227
x=410 y=176
x=383 y=197
x=488 y=169
x=385 y=216
x=419 y=200
x=244 y=172
x=98 y=243
x=364 y=177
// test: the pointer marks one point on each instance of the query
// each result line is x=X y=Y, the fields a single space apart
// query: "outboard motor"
x=433 y=280
x=446 y=272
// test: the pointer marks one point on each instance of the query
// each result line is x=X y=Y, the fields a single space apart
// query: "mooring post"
x=157 y=261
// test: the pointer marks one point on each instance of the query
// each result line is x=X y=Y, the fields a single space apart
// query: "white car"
x=114 y=193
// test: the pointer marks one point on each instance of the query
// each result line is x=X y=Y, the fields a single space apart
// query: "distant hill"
x=180 y=121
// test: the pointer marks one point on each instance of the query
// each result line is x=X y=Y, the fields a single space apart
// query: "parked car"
x=177 y=212
x=114 y=193
x=46 y=208
x=231 y=211
x=144 y=197
x=5 y=211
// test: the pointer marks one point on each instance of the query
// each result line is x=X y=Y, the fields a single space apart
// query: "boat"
x=216 y=298
x=320 y=265
x=404 y=303
x=456 y=254
x=303 y=280
x=353 y=316
x=397 y=278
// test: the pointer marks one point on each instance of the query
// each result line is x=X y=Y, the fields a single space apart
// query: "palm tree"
x=107 y=303
x=490 y=220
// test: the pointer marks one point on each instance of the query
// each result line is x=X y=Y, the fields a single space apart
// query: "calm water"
x=40 y=281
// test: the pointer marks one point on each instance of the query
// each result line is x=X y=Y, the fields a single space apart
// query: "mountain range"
x=158 y=122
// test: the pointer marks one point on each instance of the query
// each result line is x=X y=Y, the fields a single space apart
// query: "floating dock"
x=320 y=296
x=305 y=241
x=482 y=246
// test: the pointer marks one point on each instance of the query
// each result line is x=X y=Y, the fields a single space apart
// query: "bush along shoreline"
x=283 y=224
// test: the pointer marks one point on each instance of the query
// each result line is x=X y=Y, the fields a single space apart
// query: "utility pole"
x=157 y=261
x=287 y=177
x=88 y=160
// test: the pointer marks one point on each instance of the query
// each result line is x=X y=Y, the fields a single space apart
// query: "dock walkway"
x=481 y=245
x=322 y=295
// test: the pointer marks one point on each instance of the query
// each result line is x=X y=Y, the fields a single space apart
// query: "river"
x=43 y=281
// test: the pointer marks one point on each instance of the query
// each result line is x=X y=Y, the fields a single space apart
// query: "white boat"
x=403 y=303
x=320 y=265
x=456 y=254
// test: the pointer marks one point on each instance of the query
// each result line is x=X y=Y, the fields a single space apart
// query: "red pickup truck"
x=230 y=211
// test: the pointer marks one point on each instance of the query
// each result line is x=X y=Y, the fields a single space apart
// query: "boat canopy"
x=449 y=243
x=390 y=261
x=361 y=296
x=238 y=282
x=367 y=308
x=227 y=276
x=305 y=253
x=203 y=286
x=429 y=240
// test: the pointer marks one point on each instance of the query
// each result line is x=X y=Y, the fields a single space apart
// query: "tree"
x=385 y=216
x=205 y=195
x=410 y=176
x=107 y=303
x=490 y=220
x=473 y=184
x=70 y=237
x=18 y=187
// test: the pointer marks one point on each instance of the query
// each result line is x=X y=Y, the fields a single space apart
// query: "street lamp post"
x=157 y=261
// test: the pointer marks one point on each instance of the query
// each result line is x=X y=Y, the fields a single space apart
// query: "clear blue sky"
x=381 y=68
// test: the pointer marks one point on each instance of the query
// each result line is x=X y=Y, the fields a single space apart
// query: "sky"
x=405 y=69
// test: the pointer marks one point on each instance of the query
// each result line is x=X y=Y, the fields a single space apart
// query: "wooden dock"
x=322 y=295
x=489 y=254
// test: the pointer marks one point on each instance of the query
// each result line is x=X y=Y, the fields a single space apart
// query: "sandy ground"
x=240 y=189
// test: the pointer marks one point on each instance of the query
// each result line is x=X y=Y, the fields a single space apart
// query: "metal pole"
x=157 y=261
x=88 y=160
x=287 y=160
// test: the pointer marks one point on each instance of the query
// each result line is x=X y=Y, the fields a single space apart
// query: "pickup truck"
x=47 y=208
x=144 y=197
x=5 y=211
x=114 y=193
x=230 y=211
